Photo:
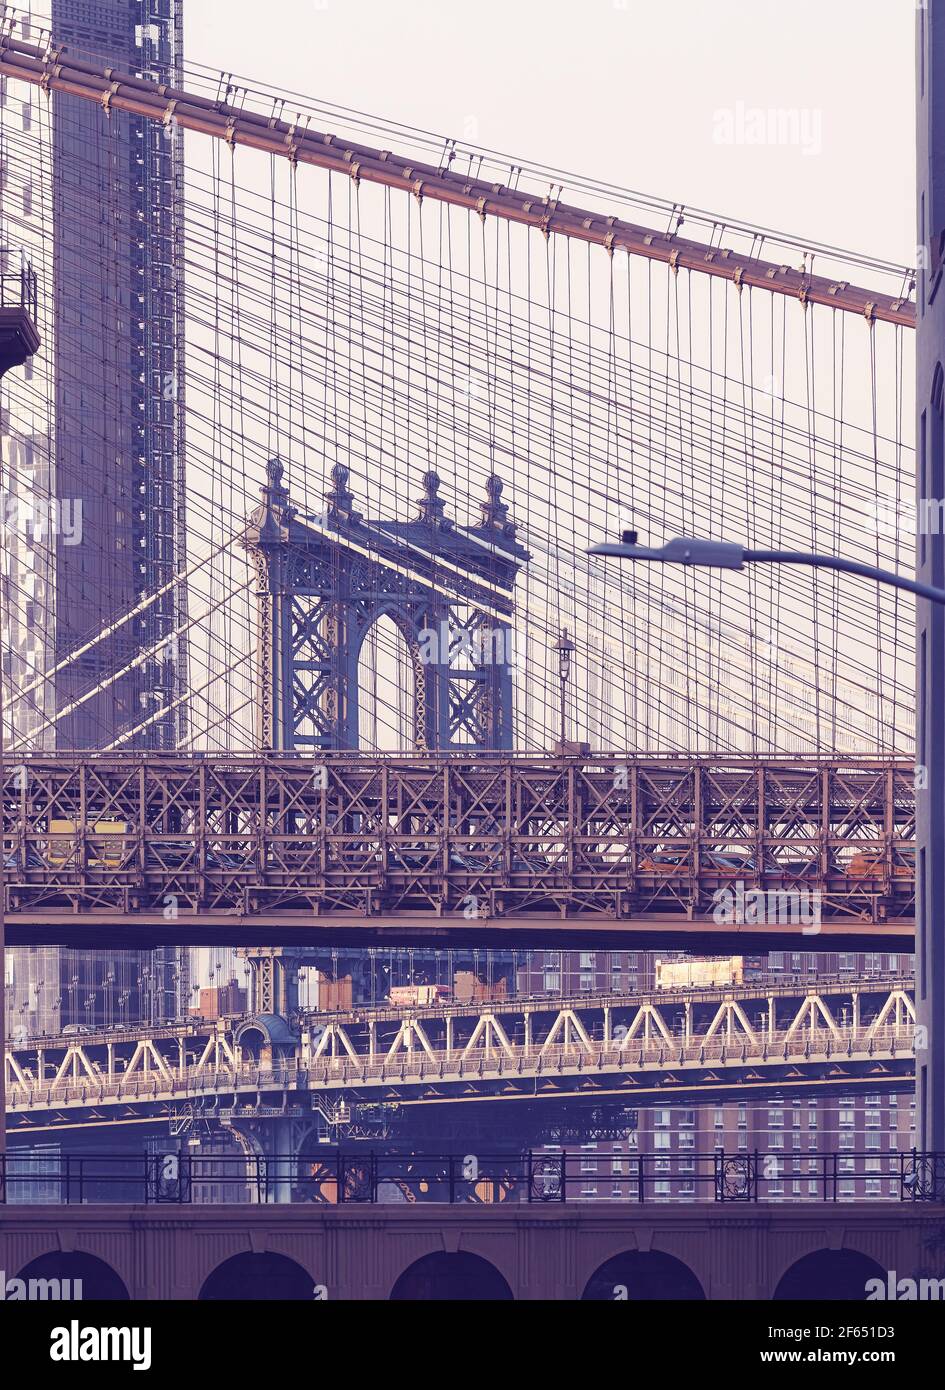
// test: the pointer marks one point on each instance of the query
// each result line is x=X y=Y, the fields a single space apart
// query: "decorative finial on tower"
x=276 y=511
x=495 y=512
x=432 y=508
x=339 y=496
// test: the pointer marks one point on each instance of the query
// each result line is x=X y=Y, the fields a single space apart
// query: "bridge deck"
x=130 y=849
x=709 y=1042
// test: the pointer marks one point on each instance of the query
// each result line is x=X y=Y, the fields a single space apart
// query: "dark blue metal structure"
x=324 y=581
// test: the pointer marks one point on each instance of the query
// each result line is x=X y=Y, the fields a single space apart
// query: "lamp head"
x=564 y=647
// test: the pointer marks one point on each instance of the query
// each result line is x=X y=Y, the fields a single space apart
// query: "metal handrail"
x=335 y=1175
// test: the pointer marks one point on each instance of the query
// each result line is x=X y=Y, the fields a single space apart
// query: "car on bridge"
x=184 y=856
x=872 y=863
x=26 y=858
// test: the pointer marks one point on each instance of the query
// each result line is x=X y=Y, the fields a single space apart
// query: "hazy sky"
x=624 y=89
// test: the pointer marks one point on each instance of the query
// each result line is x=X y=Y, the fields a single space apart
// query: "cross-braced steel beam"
x=216 y=847
x=758 y=1036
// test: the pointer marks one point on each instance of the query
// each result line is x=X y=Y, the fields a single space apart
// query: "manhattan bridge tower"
x=322 y=583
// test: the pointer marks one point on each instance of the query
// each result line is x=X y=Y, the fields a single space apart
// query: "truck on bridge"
x=691 y=974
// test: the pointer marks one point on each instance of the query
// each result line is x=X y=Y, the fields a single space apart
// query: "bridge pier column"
x=282 y=1161
x=274 y=980
x=275 y=1143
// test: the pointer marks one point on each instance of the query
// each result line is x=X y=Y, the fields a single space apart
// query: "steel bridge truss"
x=319 y=593
x=752 y=851
x=765 y=1037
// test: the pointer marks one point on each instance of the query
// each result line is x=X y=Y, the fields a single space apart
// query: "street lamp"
x=929 y=822
x=726 y=555
x=565 y=647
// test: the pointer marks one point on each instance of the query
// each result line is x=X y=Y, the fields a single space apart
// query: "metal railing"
x=336 y=1176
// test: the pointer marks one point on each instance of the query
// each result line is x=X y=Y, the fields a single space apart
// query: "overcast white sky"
x=622 y=89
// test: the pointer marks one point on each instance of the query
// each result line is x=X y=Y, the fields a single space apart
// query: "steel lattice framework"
x=208 y=847
x=319 y=593
x=762 y=1037
x=202 y=843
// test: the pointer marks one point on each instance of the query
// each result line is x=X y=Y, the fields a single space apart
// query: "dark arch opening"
x=642 y=1274
x=457 y=1276
x=252 y=1040
x=256 y=1277
x=99 y=1280
x=829 y=1275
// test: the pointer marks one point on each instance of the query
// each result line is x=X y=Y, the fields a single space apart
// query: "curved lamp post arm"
x=726 y=555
